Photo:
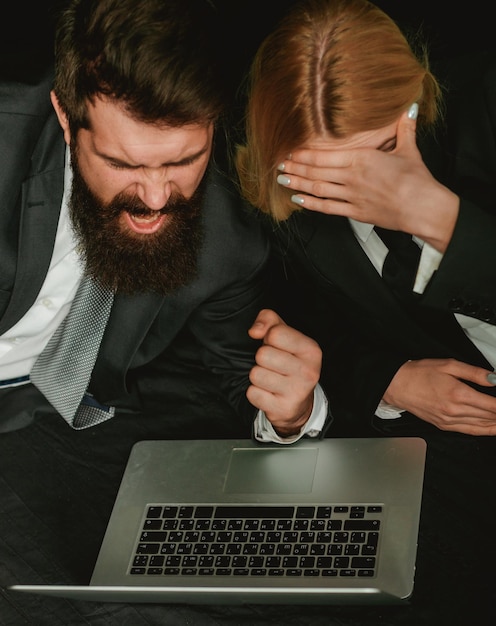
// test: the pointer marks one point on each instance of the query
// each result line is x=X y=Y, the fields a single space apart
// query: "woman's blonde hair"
x=337 y=67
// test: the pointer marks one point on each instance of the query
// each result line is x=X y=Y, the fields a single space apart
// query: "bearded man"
x=133 y=202
x=113 y=204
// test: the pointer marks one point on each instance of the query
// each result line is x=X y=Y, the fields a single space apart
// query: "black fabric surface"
x=57 y=488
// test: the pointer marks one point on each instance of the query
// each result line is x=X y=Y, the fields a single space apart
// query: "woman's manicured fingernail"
x=413 y=111
x=298 y=200
x=491 y=378
x=283 y=180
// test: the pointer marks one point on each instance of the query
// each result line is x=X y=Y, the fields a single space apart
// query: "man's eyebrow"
x=185 y=161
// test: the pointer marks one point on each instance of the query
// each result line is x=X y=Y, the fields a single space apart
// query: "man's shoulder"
x=235 y=244
x=229 y=218
x=29 y=128
x=27 y=94
x=221 y=188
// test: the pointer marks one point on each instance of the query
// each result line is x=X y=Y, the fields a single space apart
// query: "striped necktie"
x=63 y=370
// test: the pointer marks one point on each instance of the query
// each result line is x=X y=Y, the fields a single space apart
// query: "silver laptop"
x=332 y=521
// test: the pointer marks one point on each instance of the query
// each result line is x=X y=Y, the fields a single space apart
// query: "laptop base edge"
x=344 y=596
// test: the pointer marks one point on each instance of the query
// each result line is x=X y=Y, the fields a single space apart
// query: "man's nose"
x=154 y=188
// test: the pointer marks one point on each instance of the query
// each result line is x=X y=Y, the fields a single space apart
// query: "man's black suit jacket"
x=364 y=331
x=150 y=339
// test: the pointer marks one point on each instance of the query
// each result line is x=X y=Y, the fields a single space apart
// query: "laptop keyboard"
x=258 y=540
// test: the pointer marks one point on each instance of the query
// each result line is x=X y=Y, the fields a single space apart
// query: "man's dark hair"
x=161 y=58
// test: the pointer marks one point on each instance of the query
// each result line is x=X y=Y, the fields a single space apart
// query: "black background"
x=455 y=578
x=451 y=28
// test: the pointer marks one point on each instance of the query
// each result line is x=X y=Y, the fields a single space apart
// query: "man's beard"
x=125 y=261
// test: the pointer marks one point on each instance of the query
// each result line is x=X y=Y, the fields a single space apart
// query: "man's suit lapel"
x=32 y=156
x=130 y=315
x=40 y=207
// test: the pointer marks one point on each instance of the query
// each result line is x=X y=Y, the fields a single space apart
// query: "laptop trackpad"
x=271 y=470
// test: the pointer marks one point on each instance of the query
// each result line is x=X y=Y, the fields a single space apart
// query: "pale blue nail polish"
x=281 y=167
x=491 y=378
x=413 y=111
x=300 y=200
x=283 y=180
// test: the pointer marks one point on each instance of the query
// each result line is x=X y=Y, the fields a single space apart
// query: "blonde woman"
x=338 y=101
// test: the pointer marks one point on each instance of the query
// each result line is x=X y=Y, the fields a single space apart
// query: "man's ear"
x=62 y=117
